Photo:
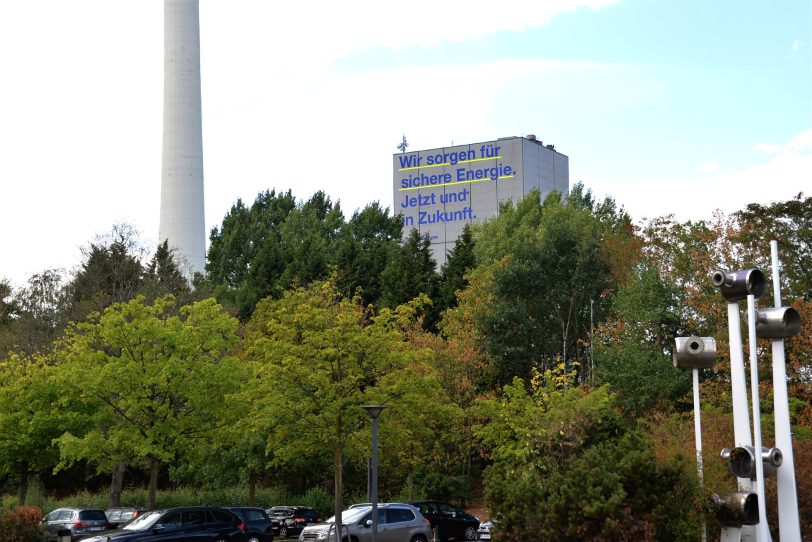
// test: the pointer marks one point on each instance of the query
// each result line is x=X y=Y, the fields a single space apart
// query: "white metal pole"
x=698 y=432
x=763 y=527
x=788 y=521
x=738 y=382
x=741 y=413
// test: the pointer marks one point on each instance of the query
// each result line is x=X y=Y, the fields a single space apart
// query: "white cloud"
x=708 y=167
x=800 y=143
x=781 y=178
x=322 y=31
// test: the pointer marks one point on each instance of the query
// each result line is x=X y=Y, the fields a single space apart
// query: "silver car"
x=80 y=522
x=397 y=522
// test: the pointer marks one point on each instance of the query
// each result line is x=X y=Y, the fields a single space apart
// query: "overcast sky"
x=675 y=106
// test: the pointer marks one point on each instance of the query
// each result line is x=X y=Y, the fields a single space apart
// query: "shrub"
x=616 y=490
x=21 y=524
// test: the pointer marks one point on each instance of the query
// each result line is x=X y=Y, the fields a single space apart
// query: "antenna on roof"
x=403 y=144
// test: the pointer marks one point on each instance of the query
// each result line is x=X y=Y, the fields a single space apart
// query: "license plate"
x=484 y=537
x=95 y=528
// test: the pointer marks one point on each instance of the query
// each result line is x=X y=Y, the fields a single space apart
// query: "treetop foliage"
x=788 y=222
x=535 y=364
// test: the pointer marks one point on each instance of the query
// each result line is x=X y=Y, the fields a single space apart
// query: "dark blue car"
x=198 y=523
x=258 y=525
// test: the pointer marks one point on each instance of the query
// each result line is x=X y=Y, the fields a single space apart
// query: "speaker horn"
x=694 y=352
x=777 y=323
x=737 y=285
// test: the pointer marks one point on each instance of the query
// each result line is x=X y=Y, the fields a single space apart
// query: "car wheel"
x=419 y=538
x=283 y=532
x=221 y=539
x=253 y=539
x=470 y=533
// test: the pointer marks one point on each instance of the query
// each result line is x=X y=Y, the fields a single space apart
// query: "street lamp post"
x=374 y=411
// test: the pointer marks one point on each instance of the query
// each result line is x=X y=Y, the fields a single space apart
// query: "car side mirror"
x=368 y=523
x=158 y=527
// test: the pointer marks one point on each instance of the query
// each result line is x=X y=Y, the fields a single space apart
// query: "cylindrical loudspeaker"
x=694 y=352
x=777 y=323
x=736 y=509
x=737 y=285
x=741 y=461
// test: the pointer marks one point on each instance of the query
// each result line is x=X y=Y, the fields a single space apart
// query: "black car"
x=292 y=519
x=119 y=516
x=81 y=522
x=447 y=521
x=198 y=523
x=258 y=525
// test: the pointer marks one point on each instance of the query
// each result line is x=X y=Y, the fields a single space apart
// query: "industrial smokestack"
x=182 y=218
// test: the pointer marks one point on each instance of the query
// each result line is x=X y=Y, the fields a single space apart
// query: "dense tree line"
x=535 y=362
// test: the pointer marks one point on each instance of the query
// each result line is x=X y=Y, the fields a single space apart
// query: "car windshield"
x=92 y=515
x=144 y=521
x=353 y=514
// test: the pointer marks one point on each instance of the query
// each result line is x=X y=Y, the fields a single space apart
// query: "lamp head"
x=374 y=410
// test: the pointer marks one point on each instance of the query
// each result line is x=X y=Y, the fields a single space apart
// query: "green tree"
x=565 y=467
x=8 y=307
x=163 y=276
x=618 y=490
x=366 y=244
x=8 y=312
x=788 y=222
x=275 y=244
x=113 y=272
x=320 y=357
x=33 y=414
x=533 y=430
x=632 y=352
x=158 y=378
x=460 y=260
x=243 y=234
x=110 y=273
x=553 y=266
x=308 y=241
x=39 y=317
x=235 y=453
x=411 y=272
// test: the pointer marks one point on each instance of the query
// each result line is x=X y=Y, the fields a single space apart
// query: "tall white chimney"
x=182 y=215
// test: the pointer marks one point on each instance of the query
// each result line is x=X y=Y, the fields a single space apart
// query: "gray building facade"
x=439 y=191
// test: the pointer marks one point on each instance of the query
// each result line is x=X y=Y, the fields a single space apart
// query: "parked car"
x=397 y=522
x=447 y=521
x=258 y=525
x=118 y=516
x=81 y=522
x=485 y=531
x=292 y=519
x=198 y=523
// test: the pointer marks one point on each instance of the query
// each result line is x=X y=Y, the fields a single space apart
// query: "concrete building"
x=439 y=191
x=182 y=213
